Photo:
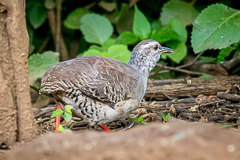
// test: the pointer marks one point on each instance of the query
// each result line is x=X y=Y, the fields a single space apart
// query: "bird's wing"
x=105 y=79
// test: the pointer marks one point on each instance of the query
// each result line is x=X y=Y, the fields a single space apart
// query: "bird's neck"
x=143 y=66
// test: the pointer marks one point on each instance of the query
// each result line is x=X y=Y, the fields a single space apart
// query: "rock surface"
x=171 y=141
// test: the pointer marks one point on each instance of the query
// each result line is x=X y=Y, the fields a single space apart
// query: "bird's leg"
x=58 y=118
x=105 y=128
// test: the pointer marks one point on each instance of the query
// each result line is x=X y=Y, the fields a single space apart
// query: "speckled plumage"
x=102 y=89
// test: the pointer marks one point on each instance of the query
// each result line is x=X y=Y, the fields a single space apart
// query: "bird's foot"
x=105 y=128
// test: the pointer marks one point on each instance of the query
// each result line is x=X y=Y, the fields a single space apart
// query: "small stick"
x=229 y=96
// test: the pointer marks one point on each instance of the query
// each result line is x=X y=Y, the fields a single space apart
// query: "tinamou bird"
x=102 y=89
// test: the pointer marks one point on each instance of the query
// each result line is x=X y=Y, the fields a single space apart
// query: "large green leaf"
x=123 y=19
x=92 y=52
x=37 y=16
x=109 y=42
x=163 y=35
x=179 y=29
x=141 y=26
x=216 y=27
x=156 y=24
x=126 y=38
x=174 y=31
x=38 y=64
x=73 y=19
x=96 y=28
x=108 y=6
x=119 y=52
x=179 y=51
x=183 y=11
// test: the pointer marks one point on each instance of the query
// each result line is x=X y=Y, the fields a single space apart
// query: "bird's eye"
x=155 y=47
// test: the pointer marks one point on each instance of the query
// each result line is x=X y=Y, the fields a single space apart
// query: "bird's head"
x=146 y=54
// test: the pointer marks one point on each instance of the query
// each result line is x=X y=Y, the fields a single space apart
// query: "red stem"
x=58 y=118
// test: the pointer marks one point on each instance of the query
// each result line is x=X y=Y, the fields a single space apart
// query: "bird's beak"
x=165 y=49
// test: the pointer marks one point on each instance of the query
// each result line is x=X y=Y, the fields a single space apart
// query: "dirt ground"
x=200 y=128
x=172 y=141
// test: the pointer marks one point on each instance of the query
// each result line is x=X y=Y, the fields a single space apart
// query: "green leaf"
x=107 y=6
x=92 y=52
x=183 y=11
x=163 y=35
x=73 y=19
x=162 y=115
x=179 y=29
x=207 y=59
x=119 y=52
x=109 y=42
x=68 y=107
x=216 y=27
x=133 y=119
x=167 y=116
x=60 y=128
x=143 y=121
x=226 y=124
x=174 y=31
x=96 y=47
x=67 y=116
x=37 y=16
x=179 y=52
x=126 y=38
x=68 y=111
x=96 y=28
x=49 y=4
x=155 y=25
x=141 y=26
x=206 y=76
x=140 y=118
x=56 y=113
x=224 y=53
x=67 y=131
x=123 y=19
x=38 y=64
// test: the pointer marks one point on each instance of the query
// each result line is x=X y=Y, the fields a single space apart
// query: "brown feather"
x=101 y=78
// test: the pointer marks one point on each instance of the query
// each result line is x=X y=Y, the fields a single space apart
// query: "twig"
x=44 y=44
x=58 y=25
x=212 y=103
x=231 y=63
x=229 y=96
x=52 y=23
x=226 y=112
x=128 y=127
x=191 y=63
x=179 y=68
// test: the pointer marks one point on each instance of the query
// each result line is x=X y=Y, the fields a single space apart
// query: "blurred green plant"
x=112 y=28
x=40 y=63
x=138 y=120
x=67 y=115
x=165 y=117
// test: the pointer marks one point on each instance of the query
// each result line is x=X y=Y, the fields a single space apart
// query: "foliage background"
x=122 y=24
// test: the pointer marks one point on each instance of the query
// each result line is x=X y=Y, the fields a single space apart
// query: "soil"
x=213 y=135
x=172 y=141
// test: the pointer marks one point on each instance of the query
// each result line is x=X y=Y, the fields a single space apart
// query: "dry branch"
x=229 y=96
x=189 y=87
